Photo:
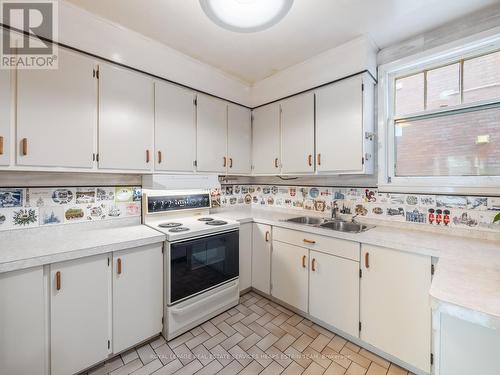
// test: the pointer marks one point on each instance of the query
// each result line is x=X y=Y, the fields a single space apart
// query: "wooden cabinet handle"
x=159 y=157
x=147 y=156
x=309 y=241
x=309 y=160
x=304 y=261
x=267 y=236
x=119 y=266
x=58 y=280
x=225 y=162
x=1 y=145
x=24 y=145
x=367 y=260
x=319 y=159
x=313 y=265
x=230 y=162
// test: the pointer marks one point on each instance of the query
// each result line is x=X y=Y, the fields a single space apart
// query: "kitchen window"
x=441 y=122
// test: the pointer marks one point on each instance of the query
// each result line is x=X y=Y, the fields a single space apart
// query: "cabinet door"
x=175 y=128
x=395 y=307
x=126 y=119
x=245 y=256
x=57 y=114
x=22 y=322
x=266 y=140
x=211 y=140
x=297 y=122
x=334 y=291
x=79 y=313
x=5 y=115
x=261 y=258
x=290 y=274
x=137 y=295
x=339 y=127
x=239 y=140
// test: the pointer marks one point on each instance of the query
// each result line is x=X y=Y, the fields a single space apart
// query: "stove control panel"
x=177 y=202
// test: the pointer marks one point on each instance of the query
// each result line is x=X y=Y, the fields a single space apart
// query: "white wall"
x=81 y=29
x=351 y=57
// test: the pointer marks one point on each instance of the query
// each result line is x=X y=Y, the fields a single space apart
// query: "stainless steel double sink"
x=337 y=224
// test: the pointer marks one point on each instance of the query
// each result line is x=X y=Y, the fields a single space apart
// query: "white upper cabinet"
x=239 y=140
x=126 y=119
x=297 y=124
x=57 y=114
x=175 y=128
x=266 y=140
x=211 y=140
x=5 y=115
x=344 y=112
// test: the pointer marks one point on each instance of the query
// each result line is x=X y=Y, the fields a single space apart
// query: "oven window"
x=200 y=264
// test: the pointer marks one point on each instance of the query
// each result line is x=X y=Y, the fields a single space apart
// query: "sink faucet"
x=335 y=210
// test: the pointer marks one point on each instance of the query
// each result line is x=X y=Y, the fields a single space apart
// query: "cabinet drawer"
x=334 y=246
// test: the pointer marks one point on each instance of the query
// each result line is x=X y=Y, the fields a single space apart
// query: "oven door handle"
x=182 y=310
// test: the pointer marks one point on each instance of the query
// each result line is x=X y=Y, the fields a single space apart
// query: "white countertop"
x=26 y=248
x=467 y=275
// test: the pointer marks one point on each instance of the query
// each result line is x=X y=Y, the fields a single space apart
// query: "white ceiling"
x=311 y=27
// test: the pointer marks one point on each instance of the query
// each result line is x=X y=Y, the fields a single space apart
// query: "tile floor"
x=256 y=337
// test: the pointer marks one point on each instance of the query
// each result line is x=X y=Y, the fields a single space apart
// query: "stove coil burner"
x=169 y=225
x=207 y=219
x=216 y=222
x=178 y=229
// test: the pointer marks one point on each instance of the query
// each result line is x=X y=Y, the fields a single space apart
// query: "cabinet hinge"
x=109 y=262
x=109 y=344
x=97 y=73
x=362 y=161
x=432 y=359
x=195 y=101
x=195 y=163
x=360 y=273
x=162 y=320
x=93 y=73
x=389 y=180
x=362 y=87
x=97 y=157
x=433 y=269
x=359 y=326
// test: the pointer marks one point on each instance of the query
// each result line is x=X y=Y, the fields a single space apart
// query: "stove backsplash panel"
x=32 y=207
x=436 y=210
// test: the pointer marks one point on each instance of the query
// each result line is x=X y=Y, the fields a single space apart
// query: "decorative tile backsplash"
x=436 y=210
x=33 y=207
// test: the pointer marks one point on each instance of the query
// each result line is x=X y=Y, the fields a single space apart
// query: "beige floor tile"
x=273 y=369
x=320 y=342
x=165 y=354
x=253 y=368
x=375 y=358
x=220 y=318
x=190 y=368
x=298 y=357
x=355 y=369
x=232 y=341
x=307 y=329
x=210 y=328
x=335 y=369
x=323 y=331
x=129 y=356
x=280 y=319
x=244 y=310
x=197 y=331
x=376 y=369
x=221 y=355
x=278 y=356
x=146 y=354
x=249 y=341
x=257 y=309
x=235 y=318
x=294 y=320
x=212 y=368
x=159 y=341
x=216 y=340
x=240 y=355
x=355 y=357
x=291 y=330
x=353 y=347
x=396 y=370
x=149 y=368
x=226 y=329
x=337 y=343
x=197 y=340
x=109 y=366
x=179 y=340
x=267 y=341
x=243 y=329
x=284 y=342
x=293 y=369
x=284 y=310
x=184 y=354
x=250 y=318
x=258 y=329
x=302 y=342
x=314 y=369
x=336 y=357
x=270 y=309
x=233 y=368
x=170 y=368
x=203 y=355
x=274 y=329
x=128 y=368
x=317 y=357
x=259 y=356
x=264 y=319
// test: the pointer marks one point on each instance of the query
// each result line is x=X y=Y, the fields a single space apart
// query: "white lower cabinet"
x=395 y=307
x=290 y=274
x=137 y=295
x=261 y=258
x=334 y=291
x=80 y=292
x=22 y=322
x=245 y=257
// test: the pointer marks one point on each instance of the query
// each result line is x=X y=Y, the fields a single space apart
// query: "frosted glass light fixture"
x=246 y=16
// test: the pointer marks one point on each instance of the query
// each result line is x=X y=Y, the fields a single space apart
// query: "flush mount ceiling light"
x=246 y=16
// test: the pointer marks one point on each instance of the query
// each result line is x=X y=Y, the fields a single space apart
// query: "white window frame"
x=479 y=44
